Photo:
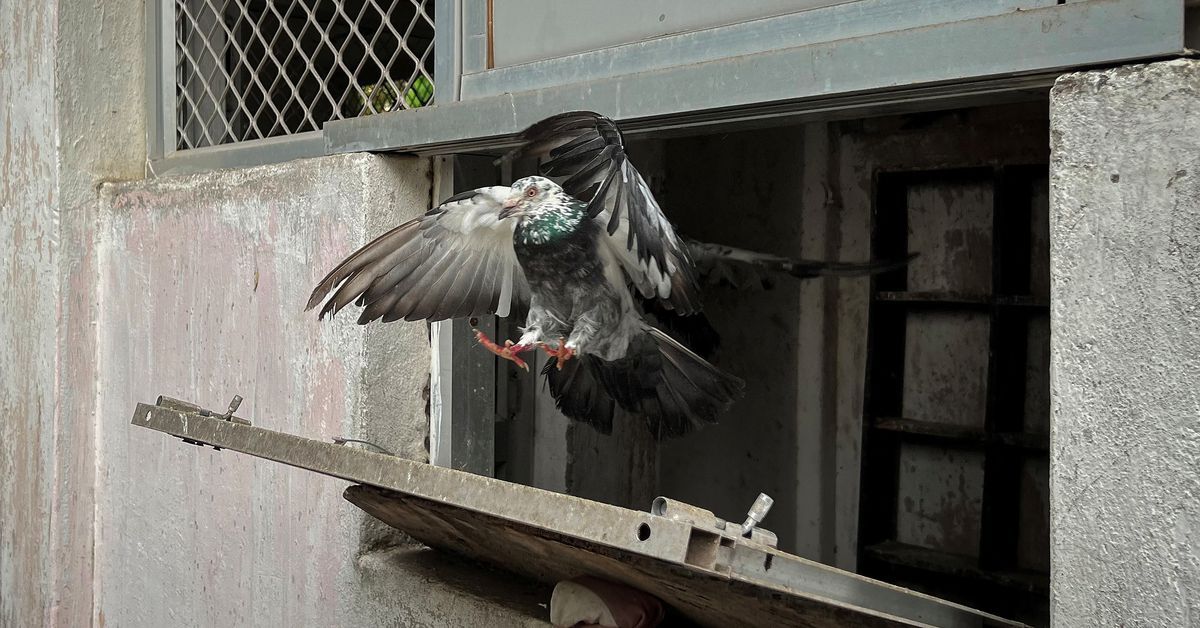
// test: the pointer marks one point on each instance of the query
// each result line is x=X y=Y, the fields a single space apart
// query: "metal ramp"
x=700 y=566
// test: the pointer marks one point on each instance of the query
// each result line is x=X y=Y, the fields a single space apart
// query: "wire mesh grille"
x=253 y=69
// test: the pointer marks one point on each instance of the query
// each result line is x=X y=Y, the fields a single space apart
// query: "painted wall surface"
x=1125 y=460
x=29 y=246
x=71 y=108
x=203 y=281
x=101 y=137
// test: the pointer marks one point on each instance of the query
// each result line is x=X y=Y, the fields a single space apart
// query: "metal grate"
x=253 y=69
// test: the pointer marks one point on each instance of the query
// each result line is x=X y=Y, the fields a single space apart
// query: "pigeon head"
x=531 y=196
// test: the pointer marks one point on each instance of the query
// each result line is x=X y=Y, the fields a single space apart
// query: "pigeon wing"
x=586 y=152
x=744 y=269
x=455 y=261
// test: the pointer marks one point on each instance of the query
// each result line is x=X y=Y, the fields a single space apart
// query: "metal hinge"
x=191 y=408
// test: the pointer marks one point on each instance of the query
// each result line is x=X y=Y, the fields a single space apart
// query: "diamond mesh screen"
x=253 y=69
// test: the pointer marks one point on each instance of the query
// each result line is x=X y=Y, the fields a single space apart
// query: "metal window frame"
x=162 y=158
x=858 y=58
x=869 y=57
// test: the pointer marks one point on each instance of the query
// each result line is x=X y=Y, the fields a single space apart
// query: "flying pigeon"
x=581 y=255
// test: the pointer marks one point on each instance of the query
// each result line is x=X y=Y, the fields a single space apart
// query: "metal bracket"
x=191 y=408
x=706 y=520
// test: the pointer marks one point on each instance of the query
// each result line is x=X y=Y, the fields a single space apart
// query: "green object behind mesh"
x=419 y=94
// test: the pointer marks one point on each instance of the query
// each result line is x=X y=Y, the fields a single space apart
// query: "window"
x=247 y=82
x=954 y=422
x=251 y=70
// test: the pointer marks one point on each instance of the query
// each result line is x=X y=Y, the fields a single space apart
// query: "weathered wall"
x=28 y=248
x=102 y=133
x=71 y=96
x=1125 y=461
x=203 y=282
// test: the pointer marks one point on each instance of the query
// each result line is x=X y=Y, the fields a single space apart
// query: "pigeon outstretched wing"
x=744 y=269
x=587 y=149
x=455 y=261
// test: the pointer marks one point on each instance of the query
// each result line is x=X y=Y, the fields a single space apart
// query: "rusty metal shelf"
x=944 y=563
x=962 y=433
x=960 y=299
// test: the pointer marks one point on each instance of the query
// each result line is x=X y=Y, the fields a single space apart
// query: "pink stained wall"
x=203 y=281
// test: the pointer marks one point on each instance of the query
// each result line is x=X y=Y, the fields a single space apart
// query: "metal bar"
x=463 y=384
x=602 y=523
x=474 y=36
x=159 y=83
x=473 y=411
x=441 y=339
x=447 y=44
x=860 y=18
x=441 y=393
x=920 y=64
x=241 y=155
x=491 y=124
x=568 y=517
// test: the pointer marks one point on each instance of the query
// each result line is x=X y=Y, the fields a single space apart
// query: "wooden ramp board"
x=705 y=598
x=713 y=578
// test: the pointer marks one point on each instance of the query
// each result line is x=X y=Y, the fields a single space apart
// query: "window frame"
x=162 y=158
x=1005 y=436
x=865 y=57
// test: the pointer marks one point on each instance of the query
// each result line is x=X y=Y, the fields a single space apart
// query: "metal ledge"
x=983 y=55
x=711 y=576
x=239 y=155
x=933 y=55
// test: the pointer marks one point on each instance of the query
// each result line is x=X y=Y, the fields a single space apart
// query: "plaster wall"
x=71 y=110
x=1125 y=458
x=203 y=280
x=29 y=216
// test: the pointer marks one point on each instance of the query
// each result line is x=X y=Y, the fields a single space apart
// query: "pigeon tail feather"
x=673 y=389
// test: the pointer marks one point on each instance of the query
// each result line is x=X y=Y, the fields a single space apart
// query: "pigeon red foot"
x=508 y=351
x=562 y=353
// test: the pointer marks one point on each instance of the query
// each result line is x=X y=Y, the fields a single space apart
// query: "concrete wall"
x=28 y=238
x=1125 y=461
x=115 y=293
x=71 y=103
x=203 y=280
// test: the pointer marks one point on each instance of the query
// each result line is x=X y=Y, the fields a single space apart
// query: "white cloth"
x=588 y=601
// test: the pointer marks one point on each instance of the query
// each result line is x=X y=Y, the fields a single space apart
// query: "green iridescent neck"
x=554 y=223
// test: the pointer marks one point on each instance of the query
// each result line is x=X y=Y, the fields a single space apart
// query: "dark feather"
x=588 y=150
x=675 y=390
x=741 y=268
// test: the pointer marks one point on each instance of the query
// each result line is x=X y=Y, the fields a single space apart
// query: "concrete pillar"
x=1125 y=458
x=72 y=115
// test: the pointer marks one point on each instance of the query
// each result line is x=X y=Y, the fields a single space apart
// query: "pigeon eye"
x=531 y=191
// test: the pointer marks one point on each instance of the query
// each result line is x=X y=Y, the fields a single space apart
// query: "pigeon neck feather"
x=553 y=220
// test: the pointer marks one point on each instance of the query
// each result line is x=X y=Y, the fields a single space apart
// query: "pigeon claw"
x=562 y=353
x=508 y=350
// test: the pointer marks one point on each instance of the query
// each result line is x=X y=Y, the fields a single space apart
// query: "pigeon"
x=580 y=256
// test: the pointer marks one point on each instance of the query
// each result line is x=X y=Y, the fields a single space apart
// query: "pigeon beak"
x=510 y=207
